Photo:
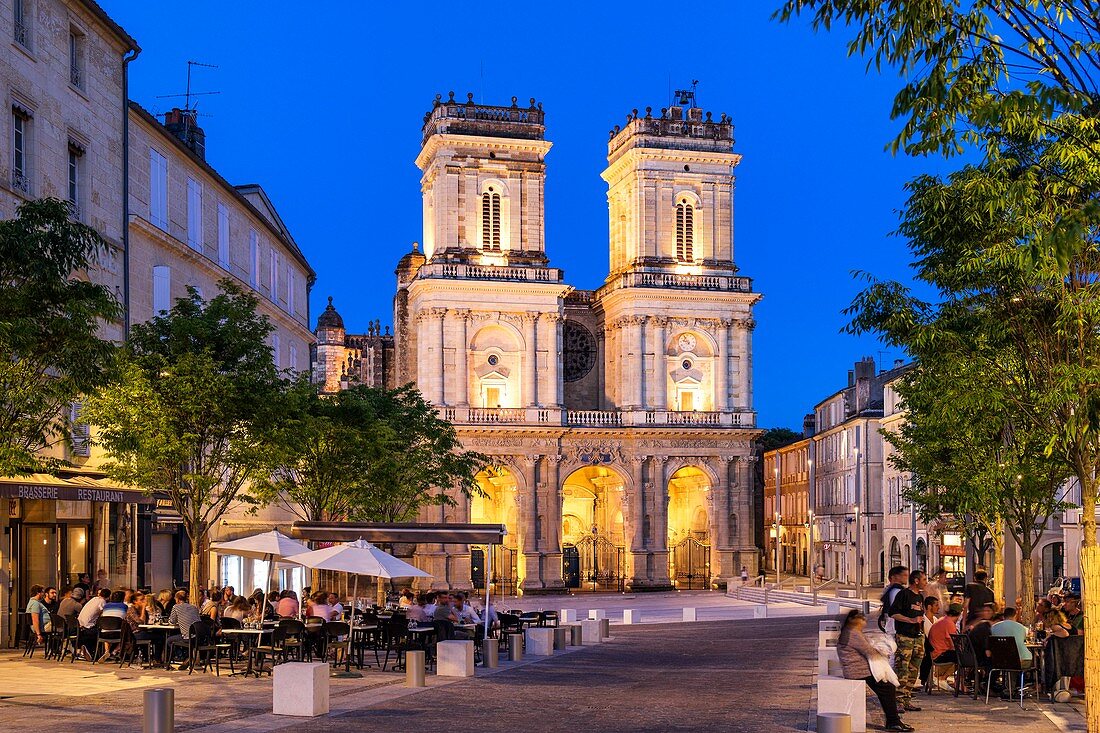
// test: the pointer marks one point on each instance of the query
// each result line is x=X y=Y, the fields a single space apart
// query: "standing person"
x=937 y=588
x=906 y=611
x=855 y=653
x=744 y=575
x=101 y=580
x=899 y=578
x=39 y=614
x=976 y=595
x=85 y=583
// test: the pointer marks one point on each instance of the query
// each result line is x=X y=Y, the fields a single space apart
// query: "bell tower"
x=670 y=191
x=483 y=183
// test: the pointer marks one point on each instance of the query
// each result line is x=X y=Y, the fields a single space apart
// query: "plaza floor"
x=740 y=675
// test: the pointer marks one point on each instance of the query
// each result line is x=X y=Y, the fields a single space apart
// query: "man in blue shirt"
x=39 y=614
x=1011 y=627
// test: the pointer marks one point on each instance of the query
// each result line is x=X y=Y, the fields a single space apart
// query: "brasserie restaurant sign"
x=68 y=492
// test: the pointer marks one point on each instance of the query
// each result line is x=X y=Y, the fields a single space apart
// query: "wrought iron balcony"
x=20 y=181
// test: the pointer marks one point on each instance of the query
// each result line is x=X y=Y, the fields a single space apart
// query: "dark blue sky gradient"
x=322 y=105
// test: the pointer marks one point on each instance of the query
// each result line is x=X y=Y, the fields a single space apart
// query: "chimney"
x=182 y=124
x=809 y=425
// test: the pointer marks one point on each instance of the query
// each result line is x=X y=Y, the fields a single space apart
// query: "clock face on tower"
x=578 y=351
x=686 y=342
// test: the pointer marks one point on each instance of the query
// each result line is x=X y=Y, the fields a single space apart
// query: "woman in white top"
x=239 y=609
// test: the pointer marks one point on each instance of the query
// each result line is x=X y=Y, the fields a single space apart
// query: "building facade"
x=906 y=539
x=788 y=511
x=622 y=417
x=64 y=84
x=190 y=228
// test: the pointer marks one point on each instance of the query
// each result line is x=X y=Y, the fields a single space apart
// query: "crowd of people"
x=916 y=625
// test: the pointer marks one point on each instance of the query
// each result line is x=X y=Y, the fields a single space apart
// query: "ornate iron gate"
x=594 y=563
x=505 y=571
x=689 y=563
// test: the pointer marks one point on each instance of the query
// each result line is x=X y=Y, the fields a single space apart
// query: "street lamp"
x=778 y=530
x=778 y=508
x=859 y=532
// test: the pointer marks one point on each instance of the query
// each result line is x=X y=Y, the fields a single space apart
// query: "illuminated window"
x=490 y=220
x=685 y=231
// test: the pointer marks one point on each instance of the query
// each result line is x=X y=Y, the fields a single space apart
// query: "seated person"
x=1071 y=607
x=116 y=607
x=855 y=653
x=72 y=602
x=979 y=633
x=184 y=614
x=1011 y=627
x=939 y=636
x=288 y=605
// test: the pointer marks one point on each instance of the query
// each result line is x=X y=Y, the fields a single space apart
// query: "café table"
x=252 y=636
x=166 y=629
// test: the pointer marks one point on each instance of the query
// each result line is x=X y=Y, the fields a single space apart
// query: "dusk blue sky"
x=323 y=107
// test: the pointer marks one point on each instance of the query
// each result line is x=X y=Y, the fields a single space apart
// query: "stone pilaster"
x=636 y=500
x=553 y=367
x=635 y=362
x=722 y=366
x=659 y=389
x=659 y=540
x=744 y=335
x=551 y=550
x=528 y=516
x=462 y=359
x=532 y=397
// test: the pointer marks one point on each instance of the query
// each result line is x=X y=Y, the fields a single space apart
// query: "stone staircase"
x=755 y=594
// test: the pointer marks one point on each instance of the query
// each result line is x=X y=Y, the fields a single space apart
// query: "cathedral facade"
x=621 y=419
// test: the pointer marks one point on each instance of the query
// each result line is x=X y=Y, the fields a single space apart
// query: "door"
x=477 y=567
x=161 y=565
x=571 y=566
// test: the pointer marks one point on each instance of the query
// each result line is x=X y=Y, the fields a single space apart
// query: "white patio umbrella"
x=267 y=546
x=360 y=558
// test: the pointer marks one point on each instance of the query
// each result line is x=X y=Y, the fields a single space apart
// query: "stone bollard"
x=576 y=636
x=414 y=669
x=834 y=723
x=605 y=628
x=567 y=615
x=490 y=653
x=540 y=642
x=631 y=616
x=454 y=658
x=595 y=614
x=759 y=611
x=160 y=710
x=300 y=688
x=515 y=647
x=832 y=608
x=561 y=637
x=690 y=614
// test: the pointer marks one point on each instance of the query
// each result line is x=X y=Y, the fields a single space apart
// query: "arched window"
x=490 y=220
x=685 y=231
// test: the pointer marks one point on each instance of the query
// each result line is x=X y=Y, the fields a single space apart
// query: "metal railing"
x=818 y=588
x=74 y=75
x=22 y=33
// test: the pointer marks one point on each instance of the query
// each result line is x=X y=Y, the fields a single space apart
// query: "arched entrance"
x=497 y=506
x=895 y=552
x=592 y=535
x=922 y=554
x=689 y=529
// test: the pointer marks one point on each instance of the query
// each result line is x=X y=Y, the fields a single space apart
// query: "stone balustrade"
x=594 y=418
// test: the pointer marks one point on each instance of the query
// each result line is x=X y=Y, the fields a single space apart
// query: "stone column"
x=660 y=364
x=440 y=315
x=748 y=554
x=744 y=334
x=551 y=503
x=637 y=503
x=424 y=381
x=635 y=364
x=722 y=366
x=553 y=360
x=722 y=556
x=601 y=370
x=659 y=540
x=529 y=511
x=462 y=359
x=530 y=374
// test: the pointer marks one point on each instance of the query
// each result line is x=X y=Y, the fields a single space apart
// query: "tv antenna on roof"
x=189 y=94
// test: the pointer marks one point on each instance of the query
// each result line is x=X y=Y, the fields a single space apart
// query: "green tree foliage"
x=773 y=438
x=50 y=350
x=192 y=410
x=975 y=71
x=367 y=454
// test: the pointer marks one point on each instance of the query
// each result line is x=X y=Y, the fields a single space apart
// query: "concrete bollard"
x=631 y=616
x=595 y=614
x=300 y=689
x=414 y=669
x=832 y=608
x=605 y=628
x=561 y=637
x=759 y=611
x=490 y=653
x=690 y=614
x=834 y=723
x=576 y=636
x=160 y=710
x=515 y=647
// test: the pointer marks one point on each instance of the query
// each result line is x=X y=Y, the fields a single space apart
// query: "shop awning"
x=70 y=488
x=410 y=532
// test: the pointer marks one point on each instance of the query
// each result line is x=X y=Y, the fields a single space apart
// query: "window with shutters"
x=275 y=351
x=194 y=214
x=490 y=220
x=253 y=258
x=685 y=231
x=162 y=289
x=80 y=434
x=273 y=284
x=223 y=235
x=158 y=189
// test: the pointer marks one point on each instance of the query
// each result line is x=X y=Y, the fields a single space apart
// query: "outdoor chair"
x=549 y=618
x=393 y=639
x=335 y=638
x=25 y=632
x=509 y=624
x=235 y=642
x=56 y=636
x=314 y=638
x=1005 y=656
x=967 y=660
x=938 y=674
x=70 y=640
x=294 y=638
x=108 y=633
x=131 y=645
x=282 y=636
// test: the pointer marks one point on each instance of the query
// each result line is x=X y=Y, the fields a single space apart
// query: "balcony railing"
x=677 y=281
x=74 y=75
x=453 y=271
x=22 y=34
x=595 y=418
x=20 y=181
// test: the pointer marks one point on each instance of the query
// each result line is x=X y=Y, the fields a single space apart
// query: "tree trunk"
x=1090 y=577
x=1027 y=590
x=998 y=542
x=197 y=577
